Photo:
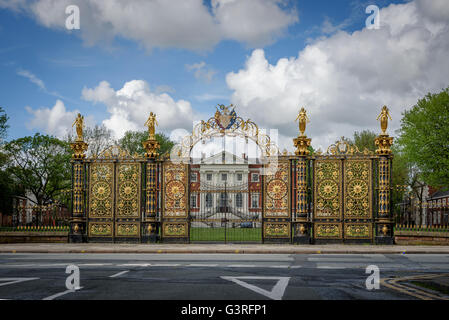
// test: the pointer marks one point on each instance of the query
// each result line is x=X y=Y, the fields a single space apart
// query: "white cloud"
x=30 y=76
x=130 y=107
x=201 y=71
x=55 y=121
x=344 y=80
x=185 y=24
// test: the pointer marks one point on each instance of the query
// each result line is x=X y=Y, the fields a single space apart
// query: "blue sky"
x=41 y=62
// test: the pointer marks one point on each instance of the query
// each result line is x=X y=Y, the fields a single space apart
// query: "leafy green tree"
x=424 y=138
x=132 y=142
x=3 y=124
x=365 y=140
x=41 y=164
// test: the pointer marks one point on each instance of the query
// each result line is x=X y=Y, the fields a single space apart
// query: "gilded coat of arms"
x=225 y=116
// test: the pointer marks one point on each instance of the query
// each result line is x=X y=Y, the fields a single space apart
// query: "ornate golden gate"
x=340 y=196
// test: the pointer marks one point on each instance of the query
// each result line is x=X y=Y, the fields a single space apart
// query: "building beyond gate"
x=342 y=195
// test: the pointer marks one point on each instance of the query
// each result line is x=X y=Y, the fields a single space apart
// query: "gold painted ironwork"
x=276 y=230
x=128 y=190
x=277 y=192
x=115 y=153
x=215 y=127
x=328 y=177
x=177 y=230
x=303 y=120
x=175 y=190
x=357 y=179
x=101 y=194
x=126 y=229
x=78 y=192
x=384 y=116
x=302 y=143
x=328 y=230
x=79 y=123
x=301 y=187
x=100 y=229
x=343 y=147
x=384 y=187
x=358 y=230
x=151 y=190
x=151 y=145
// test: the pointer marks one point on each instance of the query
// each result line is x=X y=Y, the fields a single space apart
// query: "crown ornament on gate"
x=302 y=143
x=151 y=145
x=79 y=147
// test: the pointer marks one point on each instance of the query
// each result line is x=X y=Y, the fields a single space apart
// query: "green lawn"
x=232 y=234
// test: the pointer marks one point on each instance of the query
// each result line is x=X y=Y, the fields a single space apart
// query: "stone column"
x=78 y=228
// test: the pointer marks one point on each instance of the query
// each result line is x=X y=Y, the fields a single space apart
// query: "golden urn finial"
x=303 y=120
x=79 y=123
x=151 y=124
x=384 y=116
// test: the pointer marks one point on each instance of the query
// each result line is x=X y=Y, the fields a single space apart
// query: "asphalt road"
x=215 y=276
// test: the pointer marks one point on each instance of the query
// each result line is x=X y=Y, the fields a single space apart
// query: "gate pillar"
x=384 y=219
x=151 y=218
x=301 y=226
x=78 y=229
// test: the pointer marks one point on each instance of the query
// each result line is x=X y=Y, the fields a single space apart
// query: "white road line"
x=276 y=293
x=165 y=265
x=202 y=265
x=61 y=294
x=14 y=280
x=279 y=267
x=134 y=265
x=241 y=266
x=118 y=274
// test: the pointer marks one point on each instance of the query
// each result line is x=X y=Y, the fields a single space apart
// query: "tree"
x=424 y=138
x=3 y=124
x=132 y=142
x=98 y=138
x=42 y=165
x=365 y=140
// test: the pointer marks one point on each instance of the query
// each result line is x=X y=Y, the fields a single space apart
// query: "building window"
x=223 y=198
x=208 y=200
x=224 y=177
x=193 y=203
x=209 y=177
x=255 y=177
x=255 y=200
x=239 y=200
x=193 y=177
x=239 y=177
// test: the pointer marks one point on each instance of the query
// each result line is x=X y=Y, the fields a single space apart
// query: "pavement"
x=124 y=276
x=219 y=248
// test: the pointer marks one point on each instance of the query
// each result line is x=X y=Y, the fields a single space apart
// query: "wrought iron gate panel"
x=358 y=199
x=128 y=199
x=175 y=204
x=224 y=214
x=328 y=199
x=277 y=216
x=101 y=200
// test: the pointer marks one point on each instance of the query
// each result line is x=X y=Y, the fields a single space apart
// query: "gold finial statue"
x=303 y=120
x=151 y=124
x=79 y=122
x=383 y=116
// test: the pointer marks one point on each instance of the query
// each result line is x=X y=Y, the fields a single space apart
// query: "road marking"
x=393 y=283
x=61 y=294
x=276 y=292
x=134 y=265
x=94 y=264
x=241 y=266
x=14 y=280
x=118 y=274
x=279 y=267
x=165 y=265
x=202 y=265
